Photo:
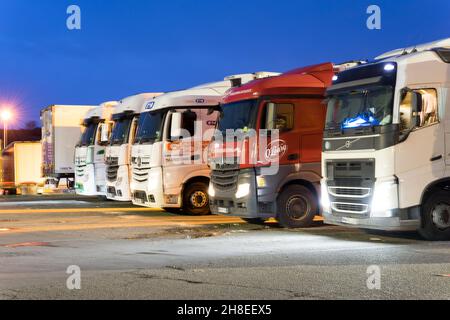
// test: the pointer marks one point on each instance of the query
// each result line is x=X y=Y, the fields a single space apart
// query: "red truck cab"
x=287 y=115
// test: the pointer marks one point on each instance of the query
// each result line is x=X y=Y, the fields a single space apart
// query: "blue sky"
x=128 y=47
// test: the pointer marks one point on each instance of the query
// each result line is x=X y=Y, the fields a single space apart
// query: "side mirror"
x=104 y=130
x=416 y=105
x=270 y=116
x=175 y=126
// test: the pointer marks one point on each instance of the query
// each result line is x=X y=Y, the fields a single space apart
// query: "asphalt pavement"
x=126 y=252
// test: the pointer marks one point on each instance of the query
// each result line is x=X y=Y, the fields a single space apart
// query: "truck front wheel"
x=436 y=217
x=196 y=200
x=297 y=207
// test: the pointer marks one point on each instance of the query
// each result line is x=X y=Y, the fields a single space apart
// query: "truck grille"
x=80 y=171
x=141 y=168
x=225 y=176
x=349 y=192
x=112 y=167
x=350 y=186
x=350 y=207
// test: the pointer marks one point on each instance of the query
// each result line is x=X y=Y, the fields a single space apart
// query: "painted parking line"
x=76 y=210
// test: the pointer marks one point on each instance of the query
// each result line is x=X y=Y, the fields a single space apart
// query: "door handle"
x=436 y=158
x=293 y=157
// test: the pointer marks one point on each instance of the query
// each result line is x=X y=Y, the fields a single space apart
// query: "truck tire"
x=297 y=207
x=196 y=200
x=436 y=217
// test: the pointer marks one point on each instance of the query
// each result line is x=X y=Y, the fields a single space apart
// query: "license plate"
x=350 y=221
x=224 y=210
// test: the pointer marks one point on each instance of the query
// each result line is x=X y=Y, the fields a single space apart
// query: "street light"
x=6 y=115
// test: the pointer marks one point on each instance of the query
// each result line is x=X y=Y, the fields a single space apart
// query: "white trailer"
x=124 y=116
x=21 y=165
x=386 y=151
x=169 y=165
x=90 y=171
x=61 y=129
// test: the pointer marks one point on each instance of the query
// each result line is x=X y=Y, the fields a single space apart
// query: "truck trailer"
x=276 y=172
x=169 y=163
x=21 y=165
x=386 y=148
x=61 y=129
x=90 y=171
x=118 y=172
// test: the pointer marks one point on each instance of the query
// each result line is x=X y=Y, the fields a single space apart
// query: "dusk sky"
x=134 y=46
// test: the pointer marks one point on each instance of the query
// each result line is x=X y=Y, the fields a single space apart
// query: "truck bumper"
x=387 y=224
x=85 y=181
x=119 y=190
x=256 y=203
x=100 y=179
x=150 y=193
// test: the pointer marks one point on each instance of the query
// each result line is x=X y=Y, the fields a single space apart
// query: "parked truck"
x=125 y=116
x=90 y=172
x=386 y=149
x=61 y=128
x=21 y=167
x=277 y=172
x=168 y=156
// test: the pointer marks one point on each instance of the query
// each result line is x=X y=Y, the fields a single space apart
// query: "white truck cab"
x=124 y=118
x=386 y=149
x=169 y=160
x=90 y=167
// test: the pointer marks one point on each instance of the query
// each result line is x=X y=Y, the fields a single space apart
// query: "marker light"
x=389 y=67
x=335 y=78
x=385 y=198
x=261 y=181
x=243 y=190
x=325 y=198
x=211 y=191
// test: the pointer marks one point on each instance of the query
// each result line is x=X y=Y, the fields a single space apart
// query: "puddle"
x=28 y=244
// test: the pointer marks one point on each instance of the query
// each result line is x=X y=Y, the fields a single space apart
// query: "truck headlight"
x=211 y=190
x=385 y=198
x=261 y=181
x=243 y=190
x=324 y=197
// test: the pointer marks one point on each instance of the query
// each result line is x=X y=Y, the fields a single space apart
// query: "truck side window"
x=189 y=118
x=284 y=118
x=425 y=117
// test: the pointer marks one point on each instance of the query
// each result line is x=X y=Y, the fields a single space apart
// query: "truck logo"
x=200 y=101
x=348 y=144
x=150 y=105
x=276 y=150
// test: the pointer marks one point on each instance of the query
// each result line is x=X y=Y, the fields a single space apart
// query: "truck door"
x=420 y=159
x=278 y=116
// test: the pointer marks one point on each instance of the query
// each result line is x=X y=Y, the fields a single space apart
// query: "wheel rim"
x=441 y=216
x=199 y=199
x=297 y=207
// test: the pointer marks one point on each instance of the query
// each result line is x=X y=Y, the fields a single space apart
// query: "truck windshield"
x=88 y=136
x=238 y=115
x=149 y=127
x=360 y=108
x=121 y=131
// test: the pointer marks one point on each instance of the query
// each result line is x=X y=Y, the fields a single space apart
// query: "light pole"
x=6 y=116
